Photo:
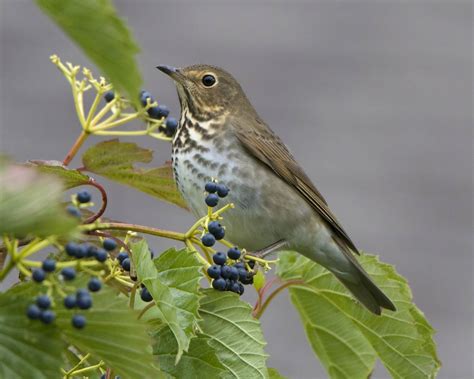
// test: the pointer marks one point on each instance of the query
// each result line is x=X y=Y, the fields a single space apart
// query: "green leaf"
x=112 y=334
x=95 y=26
x=28 y=349
x=200 y=360
x=115 y=160
x=70 y=178
x=274 y=374
x=173 y=281
x=346 y=337
x=234 y=334
x=30 y=203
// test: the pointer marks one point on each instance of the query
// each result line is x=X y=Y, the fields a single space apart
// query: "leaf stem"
x=144 y=310
x=258 y=312
x=101 y=211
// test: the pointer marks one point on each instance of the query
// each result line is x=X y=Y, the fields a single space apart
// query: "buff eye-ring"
x=209 y=80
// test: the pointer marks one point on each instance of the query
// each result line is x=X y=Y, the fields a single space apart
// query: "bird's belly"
x=266 y=209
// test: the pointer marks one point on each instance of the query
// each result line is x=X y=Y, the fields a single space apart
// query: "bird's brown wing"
x=267 y=147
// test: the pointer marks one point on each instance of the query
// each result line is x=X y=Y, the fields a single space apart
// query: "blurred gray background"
x=374 y=98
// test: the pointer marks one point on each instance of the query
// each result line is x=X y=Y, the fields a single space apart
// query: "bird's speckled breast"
x=208 y=150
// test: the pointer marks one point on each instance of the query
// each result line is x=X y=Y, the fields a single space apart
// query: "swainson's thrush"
x=220 y=135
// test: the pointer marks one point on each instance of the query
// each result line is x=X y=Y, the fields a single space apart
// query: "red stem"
x=101 y=211
x=75 y=148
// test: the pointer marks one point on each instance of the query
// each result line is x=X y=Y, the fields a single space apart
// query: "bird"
x=221 y=136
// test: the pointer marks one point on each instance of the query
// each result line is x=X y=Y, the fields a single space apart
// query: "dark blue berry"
x=171 y=126
x=214 y=271
x=235 y=287
x=228 y=284
x=94 y=284
x=222 y=190
x=101 y=255
x=68 y=273
x=214 y=227
x=78 y=321
x=241 y=289
x=91 y=251
x=243 y=273
x=158 y=112
x=72 y=248
x=49 y=265
x=47 y=316
x=210 y=187
x=38 y=275
x=43 y=301
x=82 y=251
x=240 y=265
x=33 y=312
x=73 y=211
x=109 y=244
x=163 y=111
x=109 y=96
x=84 y=301
x=219 y=234
x=145 y=95
x=251 y=263
x=226 y=272
x=246 y=278
x=70 y=301
x=126 y=264
x=83 y=196
x=212 y=199
x=219 y=284
x=121 y=256
x=145 y=295
x=208 y=240
x=233 y=253
x=234 y=273
x=82 y=292
x=219 y=258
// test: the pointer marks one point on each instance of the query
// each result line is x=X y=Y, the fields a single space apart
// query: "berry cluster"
x=230 y=273
x=81 y=299
x=159 y=112
x=40 y=310
x=215 y=231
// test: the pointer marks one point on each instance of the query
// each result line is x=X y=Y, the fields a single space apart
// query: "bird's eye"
x=208 y=80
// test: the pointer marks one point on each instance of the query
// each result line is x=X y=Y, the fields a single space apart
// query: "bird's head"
x=206 y=91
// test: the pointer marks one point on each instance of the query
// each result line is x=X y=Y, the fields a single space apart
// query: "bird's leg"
x=262 y=253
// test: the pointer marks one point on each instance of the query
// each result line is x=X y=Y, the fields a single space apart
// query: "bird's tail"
x=367 y=292
x=359 y=283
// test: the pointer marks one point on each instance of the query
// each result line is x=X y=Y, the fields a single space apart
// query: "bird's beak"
x=172 y=72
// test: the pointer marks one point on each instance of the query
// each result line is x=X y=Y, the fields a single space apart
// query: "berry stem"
x=258 y=312
x=75 y=148
x=135 y=228
x=191 y=247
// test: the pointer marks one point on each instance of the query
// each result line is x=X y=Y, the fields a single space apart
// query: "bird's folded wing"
x=267 y=147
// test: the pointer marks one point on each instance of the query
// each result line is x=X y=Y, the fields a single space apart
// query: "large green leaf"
x=112 y=334
x=95 y=26
x=200 y=360
x=346 y=337
x=173 y=281
x=28 y=349
x=30 y=203
x=115 y=160
x=234 y=334
x=70 y=178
